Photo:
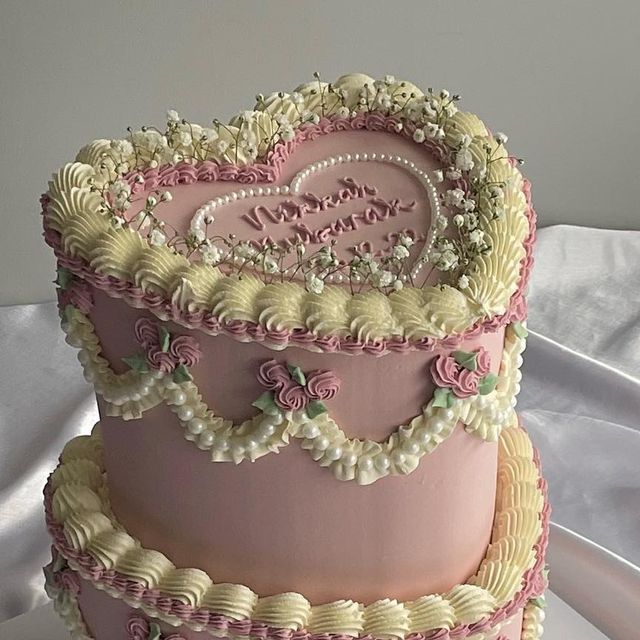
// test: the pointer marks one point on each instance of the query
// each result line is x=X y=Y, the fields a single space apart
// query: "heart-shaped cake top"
x=356 y=191
x=362 y=209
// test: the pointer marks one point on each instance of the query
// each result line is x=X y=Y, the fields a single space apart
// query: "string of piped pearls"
x=132 y=393
x=205 y=212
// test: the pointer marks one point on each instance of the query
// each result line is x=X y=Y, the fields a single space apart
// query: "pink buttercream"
x=272 y=375
x=447 y=373
x=322 y=385
x=291 y=396
x=160 y=360
x=185 y=350
x=182 y=349
x=146 y=332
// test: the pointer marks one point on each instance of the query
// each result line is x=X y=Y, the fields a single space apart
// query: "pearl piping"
x=295 y=186
x=365 y=461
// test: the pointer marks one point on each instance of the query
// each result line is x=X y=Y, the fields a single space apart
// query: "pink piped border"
x=208 y=171
x=534 y=586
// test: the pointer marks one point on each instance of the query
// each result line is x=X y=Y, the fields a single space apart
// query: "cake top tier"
x=355 y=214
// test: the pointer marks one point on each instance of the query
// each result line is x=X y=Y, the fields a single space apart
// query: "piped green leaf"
x=67 y=312
x=181 y=374
x=165 y=338
x=297 y=374
x=443 y=398
x=519 y=329
x=266 y=404
x=59 y=563
x=539 y=602
x=487 y=384
x=137 y=362
x=155 y=633
x=63 y=278
x=466 y=359
x=315 y=408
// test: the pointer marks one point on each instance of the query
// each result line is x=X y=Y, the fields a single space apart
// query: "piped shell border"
x=81 y=524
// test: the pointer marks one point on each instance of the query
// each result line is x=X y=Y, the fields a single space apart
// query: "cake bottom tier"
x=106 y=586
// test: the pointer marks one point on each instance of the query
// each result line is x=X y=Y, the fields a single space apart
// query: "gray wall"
x=562 y=78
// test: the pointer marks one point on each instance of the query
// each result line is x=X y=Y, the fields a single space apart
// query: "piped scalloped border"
x=171 y=287
x=63 y=585
x=132 y=393
x=86 y=534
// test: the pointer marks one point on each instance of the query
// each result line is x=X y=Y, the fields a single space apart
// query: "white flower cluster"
x=251 y=134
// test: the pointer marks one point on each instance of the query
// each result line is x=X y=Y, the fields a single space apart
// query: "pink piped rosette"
x=176 y=351
x=292 y=390
x=448 y=371
x=139 y=629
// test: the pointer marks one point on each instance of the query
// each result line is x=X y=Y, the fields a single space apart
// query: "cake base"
x=107 y=586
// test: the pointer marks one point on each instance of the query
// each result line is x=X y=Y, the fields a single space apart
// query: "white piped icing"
x=499 y=576
x=130 y=394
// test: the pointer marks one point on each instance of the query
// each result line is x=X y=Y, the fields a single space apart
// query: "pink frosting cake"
x=304 y=329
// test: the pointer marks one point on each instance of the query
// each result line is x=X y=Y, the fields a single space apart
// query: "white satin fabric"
x=580 y=401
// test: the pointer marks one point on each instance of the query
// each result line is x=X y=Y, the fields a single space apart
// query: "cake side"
x=93 y=544
x=337 y=277
x=285 y=510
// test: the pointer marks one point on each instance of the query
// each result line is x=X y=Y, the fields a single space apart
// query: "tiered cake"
x=304 y=331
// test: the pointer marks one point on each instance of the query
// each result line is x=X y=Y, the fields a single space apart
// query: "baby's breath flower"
x=434 y=131
x=441 y=223
x=196 y=235
x=166 y=196
x=469 y=204
x=157 y=238
x=269 y=265
x=245 y=250
x=406 y=240
x=400 y=252
x=476 y=236
x=382 y=278
x=419 y=135
x=464 y=160
x=501 y=138
x=313 y=283
x=454 y=198
x=173 y=116
x=458 y=220
x=209 y=253
x=463 y=282
x=287 y=133
x=453 y=173
x=142 y=219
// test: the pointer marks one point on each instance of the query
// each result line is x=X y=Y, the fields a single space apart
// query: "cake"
x=304 y=329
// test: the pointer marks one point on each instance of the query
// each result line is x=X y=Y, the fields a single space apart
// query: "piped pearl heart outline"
x=293 y=188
